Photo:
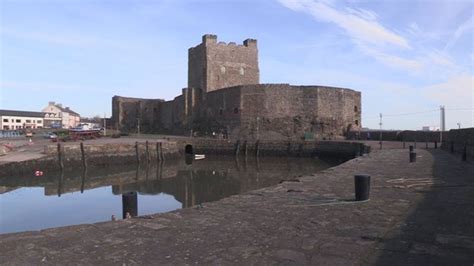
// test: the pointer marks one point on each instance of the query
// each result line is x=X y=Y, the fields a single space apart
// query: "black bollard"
x=426 y=143
x=452 y=146
x=464 y=154
x=415 y=144
x=362 y=187
x=412 y=157
x=404 y=144
x=129 y=204
x=436 y=144
x=411 y=148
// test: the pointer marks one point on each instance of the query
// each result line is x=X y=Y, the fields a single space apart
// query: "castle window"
x=356 y=109
x=236 y=110
x=357 y=122
x=242 y=71
x=223 y=69
x=221 y=111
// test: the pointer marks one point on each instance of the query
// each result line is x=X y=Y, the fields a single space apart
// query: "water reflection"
x=141 y=188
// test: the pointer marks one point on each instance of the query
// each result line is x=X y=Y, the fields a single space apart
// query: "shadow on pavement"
x=440 y=231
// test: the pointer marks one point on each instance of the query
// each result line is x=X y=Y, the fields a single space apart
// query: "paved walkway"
x=419 y=213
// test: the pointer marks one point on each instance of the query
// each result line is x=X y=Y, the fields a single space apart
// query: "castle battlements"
x=211 y=39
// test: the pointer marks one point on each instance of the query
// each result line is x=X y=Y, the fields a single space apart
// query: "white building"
x=13 y=120
x=55 y=115
x=430 y=128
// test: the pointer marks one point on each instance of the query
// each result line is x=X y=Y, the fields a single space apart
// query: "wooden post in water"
x=83 y=156
x=257 y=148
x=237 y=148
x=60 y=157
x=83 y=179
x=162 y=155
x=158 y=152
x=137 y=152
x=147 y=152
x=245 y=149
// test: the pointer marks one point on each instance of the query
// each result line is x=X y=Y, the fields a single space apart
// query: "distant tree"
x=96 y=119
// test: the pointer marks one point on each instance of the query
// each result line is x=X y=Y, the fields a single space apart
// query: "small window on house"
x=39 y=121
x=5 y=120
x=221 y=111
x=356 y=109
x=242 y=71
x=357 y=122
x=18 y=120
x=28 y=121
x=236 y=110
x=223 y=69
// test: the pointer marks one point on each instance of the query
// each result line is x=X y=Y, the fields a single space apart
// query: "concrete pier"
x=418 y=213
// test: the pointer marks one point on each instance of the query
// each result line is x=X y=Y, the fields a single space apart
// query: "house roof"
x=67 y=110
x=21 y=113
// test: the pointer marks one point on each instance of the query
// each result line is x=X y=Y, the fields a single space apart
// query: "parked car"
x=50 y=135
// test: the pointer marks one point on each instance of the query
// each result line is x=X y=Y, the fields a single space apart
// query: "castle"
x=224 y=97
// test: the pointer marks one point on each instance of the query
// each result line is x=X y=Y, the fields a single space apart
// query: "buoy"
x=38 y=173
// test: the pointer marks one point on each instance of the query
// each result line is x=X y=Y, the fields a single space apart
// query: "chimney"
x=59 y=105
x=51 y=103
x=67 y=108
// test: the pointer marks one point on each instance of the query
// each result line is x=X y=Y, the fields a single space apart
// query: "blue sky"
x=406 y=57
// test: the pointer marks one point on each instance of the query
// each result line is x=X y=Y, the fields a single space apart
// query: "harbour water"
x=77 y=197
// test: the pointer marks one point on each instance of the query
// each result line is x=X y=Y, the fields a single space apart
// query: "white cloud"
x=412 y=65
x=456 y=92
x=460 y=30
x=361 y=25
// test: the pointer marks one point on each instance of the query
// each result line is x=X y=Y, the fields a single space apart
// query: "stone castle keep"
x=224 y=96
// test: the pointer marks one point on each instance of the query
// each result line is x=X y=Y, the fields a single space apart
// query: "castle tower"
x=213 y=66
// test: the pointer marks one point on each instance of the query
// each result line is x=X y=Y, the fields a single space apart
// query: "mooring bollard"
x=426 y=142
x=464 y=153
x=412 y=157
x=362 y=187
x=129 y=204
x=452 y=146
x=404 y=144
x=380 y=143
x=436 y=144
x=415 y=144
x=410 y=148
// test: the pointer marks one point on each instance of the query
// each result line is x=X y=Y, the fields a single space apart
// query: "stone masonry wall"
x=457 y=139
x=281 y=111
x=215 y=65
x=128 y=112
x=339 y=110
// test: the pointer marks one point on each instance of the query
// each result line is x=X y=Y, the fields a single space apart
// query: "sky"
x=407 y=57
